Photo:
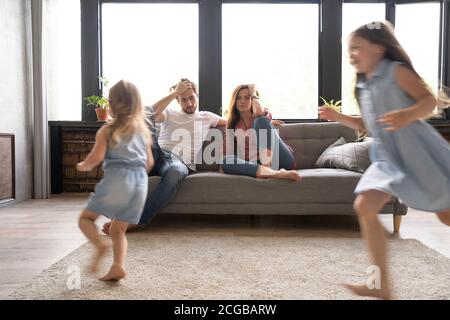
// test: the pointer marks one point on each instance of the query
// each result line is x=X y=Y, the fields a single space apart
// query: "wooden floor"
x=37 y=233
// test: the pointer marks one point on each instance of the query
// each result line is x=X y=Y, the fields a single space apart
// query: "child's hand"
x=395 y=119
x=277 y=123
x=328 y=113
x=82 y=167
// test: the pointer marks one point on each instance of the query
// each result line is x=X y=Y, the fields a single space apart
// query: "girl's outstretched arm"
x=354 y=122
x=413 y=86
x=97 y=154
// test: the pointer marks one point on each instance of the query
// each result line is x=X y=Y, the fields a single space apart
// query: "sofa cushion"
x=316 y=186
x=309 y=140
x=352 y=156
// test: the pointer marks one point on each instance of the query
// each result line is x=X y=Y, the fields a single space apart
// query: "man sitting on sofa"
x=173 y=163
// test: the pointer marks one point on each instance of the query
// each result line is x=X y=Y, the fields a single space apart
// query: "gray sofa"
x=324 y=191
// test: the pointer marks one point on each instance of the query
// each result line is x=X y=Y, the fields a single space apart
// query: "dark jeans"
x=172 y=172
x=234 y=165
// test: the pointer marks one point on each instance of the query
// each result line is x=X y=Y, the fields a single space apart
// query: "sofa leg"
x=397 y=222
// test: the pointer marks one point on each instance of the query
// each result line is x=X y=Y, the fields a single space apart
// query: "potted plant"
x=336 y=106
x=100 y=102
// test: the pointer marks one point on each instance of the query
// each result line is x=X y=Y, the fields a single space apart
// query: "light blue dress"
x=122 y=192
x=412 y=163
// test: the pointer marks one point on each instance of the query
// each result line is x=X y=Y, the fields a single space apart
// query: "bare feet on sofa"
x=102 y=249
x=115 y=273
x=364 y=291
x=288 y=174
x=106 y=226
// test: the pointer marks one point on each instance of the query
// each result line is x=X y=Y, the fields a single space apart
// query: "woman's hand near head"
x=256 y=105
x=252 y=90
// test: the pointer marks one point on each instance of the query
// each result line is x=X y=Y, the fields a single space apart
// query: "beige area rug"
x=210 y=265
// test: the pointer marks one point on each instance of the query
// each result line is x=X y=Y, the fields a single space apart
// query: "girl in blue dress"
x=410 y=159
x=124 y=146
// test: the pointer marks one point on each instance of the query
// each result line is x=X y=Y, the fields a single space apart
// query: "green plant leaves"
x=335 y=105
x=97 y=101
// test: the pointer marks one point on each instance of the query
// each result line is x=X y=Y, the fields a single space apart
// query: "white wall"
x=15 y=88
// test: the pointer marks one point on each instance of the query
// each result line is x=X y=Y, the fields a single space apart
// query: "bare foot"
x=363 y=290
x=288 y=174
x=115 y=273
x=106 y=226
x=102 y=249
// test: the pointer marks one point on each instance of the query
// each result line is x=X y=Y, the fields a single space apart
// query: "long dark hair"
x=233 y=113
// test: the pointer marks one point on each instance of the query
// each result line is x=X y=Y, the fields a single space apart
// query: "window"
x=354 y=15
x=274 y=46
x=417 y=29
x=151 y=45
x=62 y=47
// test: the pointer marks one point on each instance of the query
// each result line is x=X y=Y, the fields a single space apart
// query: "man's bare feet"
x=106 y=226
x=288 y=174
x=115 y=273
x=364 y=291
x=102 y=249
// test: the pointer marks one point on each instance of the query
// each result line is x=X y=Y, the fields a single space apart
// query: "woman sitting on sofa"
x=252 y=146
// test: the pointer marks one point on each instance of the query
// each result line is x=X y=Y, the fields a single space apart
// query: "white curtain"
x=56 y=77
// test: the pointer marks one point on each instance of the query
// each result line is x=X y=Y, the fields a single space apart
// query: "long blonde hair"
x=128 y=113
x=233 y=113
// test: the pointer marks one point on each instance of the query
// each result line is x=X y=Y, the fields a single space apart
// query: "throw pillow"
x=352 y=156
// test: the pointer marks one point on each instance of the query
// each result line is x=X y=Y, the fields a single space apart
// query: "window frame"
x=210 y=48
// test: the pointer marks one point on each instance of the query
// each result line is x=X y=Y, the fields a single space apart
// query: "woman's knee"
x=262 y=122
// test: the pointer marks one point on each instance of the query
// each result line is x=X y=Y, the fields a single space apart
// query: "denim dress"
x=411 y=163
x=121 y=193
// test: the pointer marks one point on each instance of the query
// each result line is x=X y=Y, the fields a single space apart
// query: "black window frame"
x=210 y=47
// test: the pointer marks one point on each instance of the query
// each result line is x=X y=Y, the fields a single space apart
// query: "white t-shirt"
x=184 y=133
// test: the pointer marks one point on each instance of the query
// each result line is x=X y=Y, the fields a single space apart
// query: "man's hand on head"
x=182 y=87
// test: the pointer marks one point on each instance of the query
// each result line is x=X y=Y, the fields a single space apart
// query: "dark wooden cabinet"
x=443 y=126
x=70 y=142
x=7 y=167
